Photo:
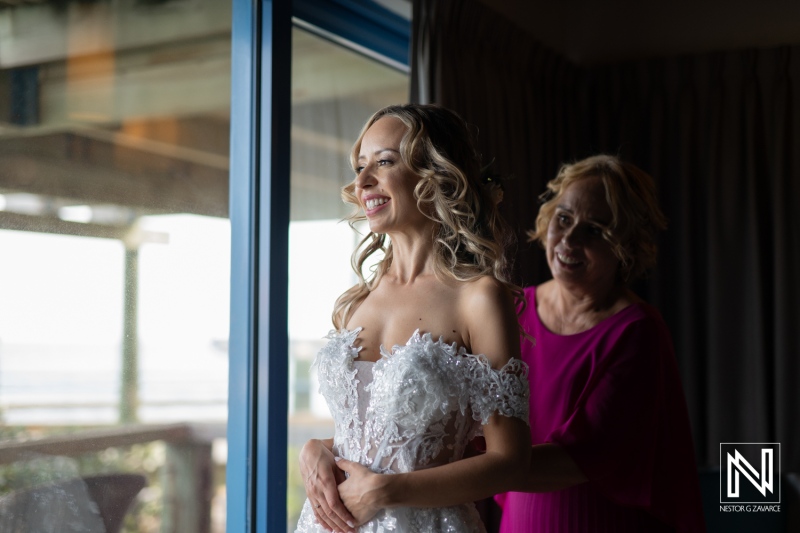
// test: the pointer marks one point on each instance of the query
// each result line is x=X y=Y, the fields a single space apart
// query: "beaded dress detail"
x=416 y=407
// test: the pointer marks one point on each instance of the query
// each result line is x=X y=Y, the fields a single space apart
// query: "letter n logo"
x=749 y=472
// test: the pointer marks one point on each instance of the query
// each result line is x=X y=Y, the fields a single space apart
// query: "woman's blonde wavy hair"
x=470 y=238
x=630 y=193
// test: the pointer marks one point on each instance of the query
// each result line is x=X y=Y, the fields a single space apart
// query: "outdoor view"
x=115 y=252
x=114 y=264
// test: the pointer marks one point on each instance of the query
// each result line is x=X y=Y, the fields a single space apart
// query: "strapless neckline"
x=352 y=334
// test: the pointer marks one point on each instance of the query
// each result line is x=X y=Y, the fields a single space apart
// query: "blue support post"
x=24 y=96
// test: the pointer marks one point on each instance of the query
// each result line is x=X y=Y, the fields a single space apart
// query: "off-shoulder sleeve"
x=504 y=391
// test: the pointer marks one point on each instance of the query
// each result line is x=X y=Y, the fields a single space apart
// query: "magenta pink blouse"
x=611 y=397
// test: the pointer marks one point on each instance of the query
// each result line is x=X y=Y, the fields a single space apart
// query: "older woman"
x=612 y=444
x=426 y=353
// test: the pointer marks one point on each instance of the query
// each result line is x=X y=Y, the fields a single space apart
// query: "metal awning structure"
x=95 y=166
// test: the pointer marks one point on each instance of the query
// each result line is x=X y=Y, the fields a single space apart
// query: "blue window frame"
x=259 y=213
x=260 y=68
x=361 y=25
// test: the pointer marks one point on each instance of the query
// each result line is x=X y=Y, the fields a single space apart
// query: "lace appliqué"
x=339 y=386
x=416 y=407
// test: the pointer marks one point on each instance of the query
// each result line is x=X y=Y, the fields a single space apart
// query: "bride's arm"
x=492 y=330
x=321 y=479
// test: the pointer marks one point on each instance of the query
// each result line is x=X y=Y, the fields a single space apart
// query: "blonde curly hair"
x=470 y=237
x=630 y=193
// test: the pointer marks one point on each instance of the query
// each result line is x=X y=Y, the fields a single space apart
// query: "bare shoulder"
x=487 y=309
x=485 y=290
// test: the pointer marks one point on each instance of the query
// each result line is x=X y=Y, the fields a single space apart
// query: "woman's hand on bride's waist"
x=364 y=492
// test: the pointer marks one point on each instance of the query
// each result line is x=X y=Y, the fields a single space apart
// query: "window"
x=262 y=222
x=115 y=243
x=334 y=91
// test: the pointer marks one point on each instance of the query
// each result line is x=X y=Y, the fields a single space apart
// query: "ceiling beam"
x=90 y=170
x=132 y=236
x=35 y=34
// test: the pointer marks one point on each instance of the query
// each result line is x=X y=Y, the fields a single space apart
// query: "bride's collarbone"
x=397 y=331
x=391 y=314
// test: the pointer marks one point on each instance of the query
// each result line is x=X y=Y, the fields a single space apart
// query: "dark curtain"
x=519 y=95
x=719 y=134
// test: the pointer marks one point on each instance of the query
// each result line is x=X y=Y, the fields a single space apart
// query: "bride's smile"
x=384 y=184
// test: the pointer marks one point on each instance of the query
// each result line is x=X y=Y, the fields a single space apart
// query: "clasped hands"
x=343 y=494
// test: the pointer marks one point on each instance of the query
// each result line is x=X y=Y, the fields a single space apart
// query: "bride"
x=426 y=353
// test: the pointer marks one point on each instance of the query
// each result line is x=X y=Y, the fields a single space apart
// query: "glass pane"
x=114 y=269
x=334 y=91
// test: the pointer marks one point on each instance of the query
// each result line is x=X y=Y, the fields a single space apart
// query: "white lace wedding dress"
x=417 y=407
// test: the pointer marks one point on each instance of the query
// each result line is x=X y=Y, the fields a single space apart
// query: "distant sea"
x=44 y=384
